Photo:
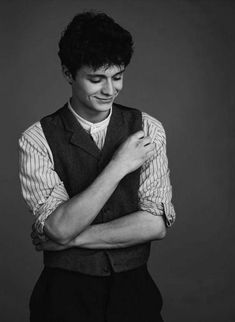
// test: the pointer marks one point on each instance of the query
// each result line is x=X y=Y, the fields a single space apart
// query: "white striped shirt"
x=43 y=190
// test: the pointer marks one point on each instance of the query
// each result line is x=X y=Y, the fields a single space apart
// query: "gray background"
x=183 y=74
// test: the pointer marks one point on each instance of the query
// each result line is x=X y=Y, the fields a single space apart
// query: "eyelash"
x=98 y=81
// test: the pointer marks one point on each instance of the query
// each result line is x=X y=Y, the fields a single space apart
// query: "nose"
x=108 y=88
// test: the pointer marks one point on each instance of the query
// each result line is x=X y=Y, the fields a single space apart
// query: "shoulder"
x=127 y=110
x=33 y=138
x=153 y=128
x=54 y=117
x=33 y=131
x=128 y=117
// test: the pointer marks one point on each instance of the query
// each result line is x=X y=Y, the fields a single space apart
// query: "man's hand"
x=49 y=245
x=133 y=152
x=42 y=242
x=64 y=223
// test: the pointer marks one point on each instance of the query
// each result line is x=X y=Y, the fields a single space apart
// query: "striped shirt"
x=44 y=191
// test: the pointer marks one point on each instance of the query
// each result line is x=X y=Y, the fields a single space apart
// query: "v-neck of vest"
x=82 y=139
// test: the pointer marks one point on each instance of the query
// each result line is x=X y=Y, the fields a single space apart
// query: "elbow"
x=159 y=228
x=161 y=232
x=56 y=233
x=62 y=240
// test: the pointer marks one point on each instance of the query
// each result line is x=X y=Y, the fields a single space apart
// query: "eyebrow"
x=102 y=75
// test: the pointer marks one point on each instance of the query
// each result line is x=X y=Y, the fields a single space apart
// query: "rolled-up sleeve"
x=155 y=191
x=41 y=187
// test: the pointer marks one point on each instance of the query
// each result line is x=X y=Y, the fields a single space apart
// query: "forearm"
x=136 y=228
x=73 y=216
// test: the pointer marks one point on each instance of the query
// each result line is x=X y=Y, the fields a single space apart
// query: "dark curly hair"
x=95 y=40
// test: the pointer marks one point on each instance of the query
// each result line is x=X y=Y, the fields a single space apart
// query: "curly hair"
x=95 y=40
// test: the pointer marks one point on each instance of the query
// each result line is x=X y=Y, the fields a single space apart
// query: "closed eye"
x=98 y=78
x=95 y=80
x=116 y=78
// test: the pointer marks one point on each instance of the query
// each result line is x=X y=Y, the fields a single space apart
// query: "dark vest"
x=78 y=161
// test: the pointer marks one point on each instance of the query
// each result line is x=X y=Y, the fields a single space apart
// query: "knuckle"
x=139 y=133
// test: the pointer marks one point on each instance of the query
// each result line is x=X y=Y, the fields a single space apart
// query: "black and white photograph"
x=118 y=161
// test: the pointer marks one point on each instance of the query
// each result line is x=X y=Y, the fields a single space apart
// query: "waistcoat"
x=78 y=161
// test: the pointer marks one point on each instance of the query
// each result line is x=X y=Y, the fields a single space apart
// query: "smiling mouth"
x=105 y=99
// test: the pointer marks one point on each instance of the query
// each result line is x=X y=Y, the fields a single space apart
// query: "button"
x=105 y=269
x=107 y=213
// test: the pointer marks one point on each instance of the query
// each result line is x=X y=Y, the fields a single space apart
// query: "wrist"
x=83 y=238
x=76 y=242
x=118 y=171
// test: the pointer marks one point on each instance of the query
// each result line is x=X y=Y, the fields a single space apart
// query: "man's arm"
x=73 y=216
x=136 y=228
x=155 y=204
x=155 y=191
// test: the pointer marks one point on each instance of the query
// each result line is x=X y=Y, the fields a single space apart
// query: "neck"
x=89 y=114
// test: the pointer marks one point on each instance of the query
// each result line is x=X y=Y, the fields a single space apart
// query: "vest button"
x=105 y=269
x=107 y=211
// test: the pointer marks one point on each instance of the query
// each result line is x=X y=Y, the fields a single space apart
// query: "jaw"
x=92 y=111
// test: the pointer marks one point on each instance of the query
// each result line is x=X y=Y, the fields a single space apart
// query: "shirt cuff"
x=169 y=213
x=160 y=209
x=44 y=212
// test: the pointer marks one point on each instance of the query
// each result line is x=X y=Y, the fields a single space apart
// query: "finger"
x=49 y=246
x=43 y=245
x=146 y=140
x=139 y=135
x=38 y=248
x=36 y=241
x=33 y=234
x=149 y=147
x=149 y=155
x=36 y=234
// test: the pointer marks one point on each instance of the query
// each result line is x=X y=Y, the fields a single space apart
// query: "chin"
x=104 y=107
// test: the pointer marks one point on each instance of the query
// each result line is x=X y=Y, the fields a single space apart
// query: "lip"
x=106 y=100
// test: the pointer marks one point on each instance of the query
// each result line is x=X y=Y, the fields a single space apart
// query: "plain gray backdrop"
x=182 y=73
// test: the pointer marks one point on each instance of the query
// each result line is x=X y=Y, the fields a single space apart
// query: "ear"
x=67 y=74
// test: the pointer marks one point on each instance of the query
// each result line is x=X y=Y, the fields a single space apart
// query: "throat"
x=90 y=115
x=94 y=116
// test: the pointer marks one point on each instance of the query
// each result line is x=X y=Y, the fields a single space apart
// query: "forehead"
x=108 y=71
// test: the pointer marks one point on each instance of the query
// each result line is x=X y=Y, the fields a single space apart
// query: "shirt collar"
x=89 y=126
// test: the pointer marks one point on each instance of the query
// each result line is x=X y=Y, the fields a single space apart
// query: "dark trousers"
x=64 y=296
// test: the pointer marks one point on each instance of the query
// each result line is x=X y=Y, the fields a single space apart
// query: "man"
x=95 y=175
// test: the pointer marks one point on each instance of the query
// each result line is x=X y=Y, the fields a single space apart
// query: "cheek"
x=93 y=89
x=119 y=86
x=88 y=89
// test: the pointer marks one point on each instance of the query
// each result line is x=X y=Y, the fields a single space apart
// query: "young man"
x=95 y=175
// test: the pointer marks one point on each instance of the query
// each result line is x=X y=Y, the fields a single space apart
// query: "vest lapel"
x=116 y=133
x=78 y=136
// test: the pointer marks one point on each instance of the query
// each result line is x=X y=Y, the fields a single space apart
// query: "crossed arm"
x=64 y=228
x=129 y=230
